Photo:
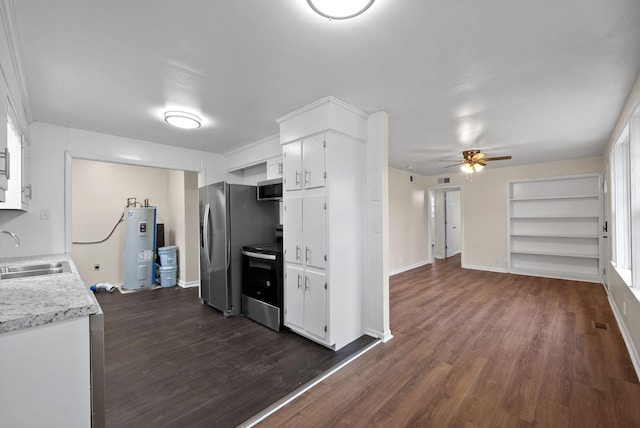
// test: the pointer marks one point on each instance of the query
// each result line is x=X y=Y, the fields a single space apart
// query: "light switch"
x=45 y=214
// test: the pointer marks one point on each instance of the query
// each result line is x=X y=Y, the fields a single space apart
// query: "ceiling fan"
x=473 y=161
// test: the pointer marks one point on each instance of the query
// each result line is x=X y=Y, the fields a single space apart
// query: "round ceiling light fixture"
x=340 y=9
x=182 y=119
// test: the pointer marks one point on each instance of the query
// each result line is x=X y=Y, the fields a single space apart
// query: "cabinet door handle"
x=299 y=281
x=307 y=179
x=30 y=195
x=280 y=168
x=297 y=252
x=306 y=283
x=297 y=178
x=7 y=164
x=307 y=254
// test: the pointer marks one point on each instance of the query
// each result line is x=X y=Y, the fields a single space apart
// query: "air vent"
x=600 y=325
x=443 y=180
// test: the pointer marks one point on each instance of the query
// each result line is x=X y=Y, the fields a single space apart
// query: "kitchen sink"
x=24 y=271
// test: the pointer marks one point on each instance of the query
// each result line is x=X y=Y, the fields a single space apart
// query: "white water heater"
x=138 y=262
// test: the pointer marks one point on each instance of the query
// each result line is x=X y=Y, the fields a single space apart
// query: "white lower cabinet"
x=45 y=375
x=306 y=294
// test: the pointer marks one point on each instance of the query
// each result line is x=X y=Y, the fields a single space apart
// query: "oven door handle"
x=259 y=255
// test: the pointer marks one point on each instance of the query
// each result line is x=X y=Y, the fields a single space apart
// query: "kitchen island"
x=49 y=325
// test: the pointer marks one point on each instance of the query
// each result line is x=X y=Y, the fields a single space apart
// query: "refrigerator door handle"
x=205 y=239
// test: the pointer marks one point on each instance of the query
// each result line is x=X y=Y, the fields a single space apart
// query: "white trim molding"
x=189 y=284
x=406 y=268
x=633 y=354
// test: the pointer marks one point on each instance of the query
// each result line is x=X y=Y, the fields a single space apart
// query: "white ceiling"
x=541 y=80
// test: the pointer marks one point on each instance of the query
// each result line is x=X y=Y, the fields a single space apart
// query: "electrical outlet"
x=96 y=267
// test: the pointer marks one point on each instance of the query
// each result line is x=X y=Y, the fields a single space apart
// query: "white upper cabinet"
x=19 y=190
x=304 y=166
x=313 y=174
x=275 y=168
x=292 y=160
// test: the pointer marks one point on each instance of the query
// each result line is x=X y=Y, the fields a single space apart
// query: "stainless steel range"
x=262 y=288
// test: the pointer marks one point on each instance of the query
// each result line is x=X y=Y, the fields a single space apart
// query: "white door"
x=452 y=222
x=292 y=165
x=294 y=297
x=313 y=231
x=313 y=162
x=292 y=211
x=315 y=304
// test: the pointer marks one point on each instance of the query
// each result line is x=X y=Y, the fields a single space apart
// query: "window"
x=625 y=201
x=621 y=202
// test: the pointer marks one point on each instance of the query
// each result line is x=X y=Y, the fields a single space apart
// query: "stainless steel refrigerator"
x=230 y=217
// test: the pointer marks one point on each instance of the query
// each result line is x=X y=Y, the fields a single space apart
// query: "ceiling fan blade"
x=497 y=158
x=449 y=160
x=481 y=162
x=455 y=164
x=478 y=156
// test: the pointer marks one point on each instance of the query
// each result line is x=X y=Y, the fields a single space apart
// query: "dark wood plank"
x=171 y=361
x=482 y=349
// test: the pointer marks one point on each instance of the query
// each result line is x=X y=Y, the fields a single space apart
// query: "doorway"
x=445 y=223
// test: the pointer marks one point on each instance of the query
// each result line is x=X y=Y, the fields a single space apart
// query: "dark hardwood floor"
x=482 y=349
x=172 y=362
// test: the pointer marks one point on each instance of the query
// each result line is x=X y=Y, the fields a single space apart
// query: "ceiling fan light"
x=466 y=167
x=477 y=167
x=183 y=120
x=340 y=9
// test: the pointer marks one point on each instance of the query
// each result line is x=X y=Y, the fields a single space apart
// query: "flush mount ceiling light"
x=181 y=119
x=340 y=9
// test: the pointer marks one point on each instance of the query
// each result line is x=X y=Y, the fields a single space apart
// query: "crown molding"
x=325 y=100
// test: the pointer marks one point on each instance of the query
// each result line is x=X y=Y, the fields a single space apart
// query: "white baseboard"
x=406 y=268
x=485 y=268
x=188 y=284
x=633 y=353
x=383 y=336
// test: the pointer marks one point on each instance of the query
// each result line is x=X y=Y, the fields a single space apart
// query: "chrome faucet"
x=13 y=235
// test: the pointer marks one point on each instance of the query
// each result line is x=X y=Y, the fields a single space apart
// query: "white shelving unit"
x=554 y=227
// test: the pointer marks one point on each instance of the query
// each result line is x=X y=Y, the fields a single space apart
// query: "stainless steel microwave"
x=270 y=190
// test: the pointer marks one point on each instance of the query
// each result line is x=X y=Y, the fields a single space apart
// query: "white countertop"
x=38 y=300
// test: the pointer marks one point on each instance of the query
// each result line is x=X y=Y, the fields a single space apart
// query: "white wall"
x=484 y=204
x=189 y=257
x=375 y=298
x=407 y=220
x=183 y=231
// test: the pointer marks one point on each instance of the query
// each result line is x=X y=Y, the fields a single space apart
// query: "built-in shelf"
x=554 y=227
x=538 y=235
x=542 y=217
x=556 y=254
x=551 y=198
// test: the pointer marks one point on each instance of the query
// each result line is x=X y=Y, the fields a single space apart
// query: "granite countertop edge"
x=41 y=300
